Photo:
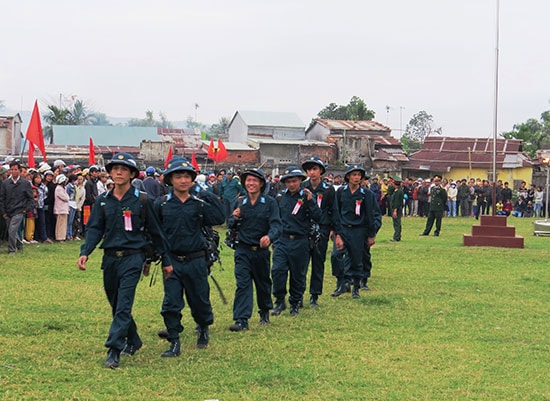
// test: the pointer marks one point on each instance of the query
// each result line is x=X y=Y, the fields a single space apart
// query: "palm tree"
x=56 y=116
x=79 y=114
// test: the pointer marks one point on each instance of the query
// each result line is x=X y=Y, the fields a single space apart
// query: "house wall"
x=10 y=136
x=318 y=133
x=154 y=152
x=273 y=155
x=238 y=131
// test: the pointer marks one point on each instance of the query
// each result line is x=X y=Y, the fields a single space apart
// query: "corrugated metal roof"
x=348 y=125
x=103 y=135
x=271 y=119
x=287 y=142
x=442 y=152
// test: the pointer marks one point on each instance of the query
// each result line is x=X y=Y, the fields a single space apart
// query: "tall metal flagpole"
x=495 y=111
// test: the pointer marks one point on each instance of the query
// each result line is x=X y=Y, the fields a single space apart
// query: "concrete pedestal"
x=493 y=231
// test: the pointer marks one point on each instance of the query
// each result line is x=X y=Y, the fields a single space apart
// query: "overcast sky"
x=123 y=57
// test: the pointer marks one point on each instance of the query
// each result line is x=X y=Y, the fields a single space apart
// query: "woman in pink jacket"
x=61 y=208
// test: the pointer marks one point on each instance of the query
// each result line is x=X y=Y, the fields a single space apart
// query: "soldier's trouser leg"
x=298 y=261
x=280 y=268
x=262 y=279
x=337 y=259
x=197 y=291
x=354 y=239
x=318 y=256
x=120 y=279
x=438 y=216
x=173 y=303
x=397 y=228
x=429 y=223
x=251 y=266
x=367 y=263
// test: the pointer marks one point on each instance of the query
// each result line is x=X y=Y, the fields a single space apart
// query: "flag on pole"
x=211 y=150
x=30 y=159
x=34 y=132
x=168 y=157
x=222 y=152
x=217 y=153
x=194 y=162
x=91 y=156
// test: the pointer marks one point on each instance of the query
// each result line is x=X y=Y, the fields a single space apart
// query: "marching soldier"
x=121 y=218
x=323 y=195
x=357 y=220
x=297 y=209
x=256 y=217
x=182 y=215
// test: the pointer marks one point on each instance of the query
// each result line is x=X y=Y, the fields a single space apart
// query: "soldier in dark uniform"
x=297 y=209
x=121 y=218
x=396 y=208
x=356 y=221
x=182 y=214
x=323 y=194
x=438 y=200
x=256 y=217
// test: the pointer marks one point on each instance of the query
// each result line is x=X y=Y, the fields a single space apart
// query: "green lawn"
x=441 y=322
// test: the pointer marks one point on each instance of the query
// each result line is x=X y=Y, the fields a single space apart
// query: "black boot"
x=173 y=351
x=203 y=337
x=356 y=286
x=313 y=301
x=341 y=290
x=113 y=359
x=364 y=285
x=294 y=309
x=264 y=317
x=279 y=307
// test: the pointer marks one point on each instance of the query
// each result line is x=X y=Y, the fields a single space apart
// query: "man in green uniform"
x=396 y=208
x=438 y=200
x=121 y=218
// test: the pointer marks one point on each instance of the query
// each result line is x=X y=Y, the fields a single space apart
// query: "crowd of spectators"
x=63 y=195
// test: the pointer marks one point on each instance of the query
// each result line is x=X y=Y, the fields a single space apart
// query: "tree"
x=420 y=126
x=535 y=134
x=356 y=110
x=76 y=114
x=55 y=116
x=149 y=121
x=221 y=128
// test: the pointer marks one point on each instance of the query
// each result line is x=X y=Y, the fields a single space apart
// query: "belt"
x=189 y=256
x=249 y=247
x=120 y=253
x=294 y=236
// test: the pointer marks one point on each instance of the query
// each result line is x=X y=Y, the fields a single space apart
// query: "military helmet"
x=293 y=171
x=123 y=158
x=255 y=172
x=314 y=161
x=354 y=167
x=178 y=164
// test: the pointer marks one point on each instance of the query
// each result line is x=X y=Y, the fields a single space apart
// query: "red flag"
x=194 y=162
x=91 y=157
x=34 y=132
x=211 y=150
x=222 y=152
x=168 y=157
x=30 y=159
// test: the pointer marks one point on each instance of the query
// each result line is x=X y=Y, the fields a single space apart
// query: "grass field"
x=441 y=322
